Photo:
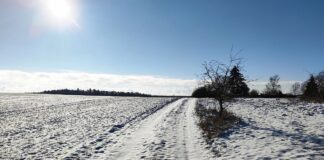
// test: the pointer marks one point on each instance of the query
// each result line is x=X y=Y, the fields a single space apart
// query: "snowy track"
x=170 y=133
x=85 y=127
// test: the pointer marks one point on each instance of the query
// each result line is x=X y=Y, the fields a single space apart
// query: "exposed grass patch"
x=213 y=125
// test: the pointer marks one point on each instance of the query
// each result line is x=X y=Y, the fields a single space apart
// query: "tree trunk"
x=220 y=107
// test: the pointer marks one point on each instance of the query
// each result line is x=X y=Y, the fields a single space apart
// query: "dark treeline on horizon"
x=95 y=92
x=202 y=92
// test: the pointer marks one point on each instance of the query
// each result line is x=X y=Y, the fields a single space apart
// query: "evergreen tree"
x=311 y=90
x=237 y=82
x=320 y=82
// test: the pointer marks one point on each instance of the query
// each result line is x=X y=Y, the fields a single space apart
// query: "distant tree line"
x=95 y=92
x=238 y=87
x=311 y=90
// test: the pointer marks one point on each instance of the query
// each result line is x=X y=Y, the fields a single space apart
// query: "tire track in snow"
x=96 y=147
x=170 y=133
x=196 y=145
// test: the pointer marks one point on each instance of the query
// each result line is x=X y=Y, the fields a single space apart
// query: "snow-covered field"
x=57 y=126
x=273 y=129
x=86 y=127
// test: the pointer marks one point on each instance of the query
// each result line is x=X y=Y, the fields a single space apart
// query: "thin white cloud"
x=21 y=81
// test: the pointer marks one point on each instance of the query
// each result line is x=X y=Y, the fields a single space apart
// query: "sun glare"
x=61 y=12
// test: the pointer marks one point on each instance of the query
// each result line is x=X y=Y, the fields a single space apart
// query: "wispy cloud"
x=21 y=81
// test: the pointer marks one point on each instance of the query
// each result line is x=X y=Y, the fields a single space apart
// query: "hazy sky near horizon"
x=162 y=38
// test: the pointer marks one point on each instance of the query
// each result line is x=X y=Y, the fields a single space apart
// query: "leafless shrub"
x=212 y=123
x=296 y=88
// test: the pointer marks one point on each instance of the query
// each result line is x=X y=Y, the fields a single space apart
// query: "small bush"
x=254 y=93
x=201 y=92
x=211 y=124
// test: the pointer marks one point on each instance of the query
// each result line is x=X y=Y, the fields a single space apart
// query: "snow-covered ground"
x=170 y=133
x=55 y=126
x=273 y=129
x=86 y=127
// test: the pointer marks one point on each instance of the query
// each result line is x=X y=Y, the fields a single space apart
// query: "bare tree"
x=216 y=79
x=273 y=87
x=320 y=79
x=296 y=88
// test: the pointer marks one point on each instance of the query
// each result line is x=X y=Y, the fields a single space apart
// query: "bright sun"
x=61 y=11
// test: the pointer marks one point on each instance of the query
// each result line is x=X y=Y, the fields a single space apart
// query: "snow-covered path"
x=170 y=133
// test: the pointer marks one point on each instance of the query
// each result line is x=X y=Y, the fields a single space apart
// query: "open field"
x=94 y=127
x=273 y=129
x=54 y=126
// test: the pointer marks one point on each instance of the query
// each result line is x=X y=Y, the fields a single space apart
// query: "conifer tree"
x=311 y=90
x=320 y=82
x=237 y=82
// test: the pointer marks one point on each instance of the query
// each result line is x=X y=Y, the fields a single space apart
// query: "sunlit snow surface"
x=94 y=127
x=53 y=126
x=274 y=129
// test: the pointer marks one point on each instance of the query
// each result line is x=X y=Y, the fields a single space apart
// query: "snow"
x=53 y=126
x=274 y=129
x=170 y=133
x=35 y=126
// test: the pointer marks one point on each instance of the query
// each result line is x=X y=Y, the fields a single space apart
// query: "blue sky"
x=167 y=38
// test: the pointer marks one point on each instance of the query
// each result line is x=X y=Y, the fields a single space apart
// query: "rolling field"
x=55 y=126
x=95 y=127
